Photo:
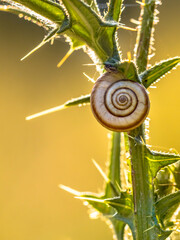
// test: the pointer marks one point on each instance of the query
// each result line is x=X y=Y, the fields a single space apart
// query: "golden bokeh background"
x=36 y=156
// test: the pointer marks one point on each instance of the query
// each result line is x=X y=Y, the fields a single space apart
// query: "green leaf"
x=99 y=204
x=27 y=14
x=123 y=204
x=91 y=29
x=158 y=160
x=166 y=206
x=114 y=10
x=46 y=8
x=83 y=100
x=108 y=208
x=124 y=207
x=157 y=71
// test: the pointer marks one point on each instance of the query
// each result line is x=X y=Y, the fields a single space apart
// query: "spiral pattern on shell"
x=119 y=104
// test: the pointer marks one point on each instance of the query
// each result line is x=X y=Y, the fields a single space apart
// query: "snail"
x=119 y=104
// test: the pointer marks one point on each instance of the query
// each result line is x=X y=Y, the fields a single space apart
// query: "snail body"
x=119 y=104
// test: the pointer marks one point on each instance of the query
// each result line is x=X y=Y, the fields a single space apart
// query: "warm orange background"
x=38 y=155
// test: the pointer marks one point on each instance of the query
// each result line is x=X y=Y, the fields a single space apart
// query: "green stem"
x=114 y=176
x=142 y=186
x=144 y=35
x=114 y=164
x=141 y=177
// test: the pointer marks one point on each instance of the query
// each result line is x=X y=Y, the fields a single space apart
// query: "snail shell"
x=119 y=104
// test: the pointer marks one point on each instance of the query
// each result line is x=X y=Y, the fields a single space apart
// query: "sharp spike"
x=128 y=28
x=101 y=171
x=32 y=51
x=71 y=50
x=70 y=190
x=89 y=78
x=51 y=110
x=90 y=199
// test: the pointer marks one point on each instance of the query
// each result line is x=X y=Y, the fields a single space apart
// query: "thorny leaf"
x=157 y=71
x=46 y=8
x=158 y=160
x=91 y=29
x=28 y=14
x=166 y=206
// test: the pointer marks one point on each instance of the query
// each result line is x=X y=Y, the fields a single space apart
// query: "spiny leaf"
x=91 y=29
x=158 y=160
x=94 y=200
x=83 y=100
x=27 y=14
x=46 y=8
x=114 y=10
x=166 y=206
x=157 y=71
x=124 y=207
x=123 y=204
x=99 y=204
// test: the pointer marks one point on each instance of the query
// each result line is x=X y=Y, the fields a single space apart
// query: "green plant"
x=148 y=200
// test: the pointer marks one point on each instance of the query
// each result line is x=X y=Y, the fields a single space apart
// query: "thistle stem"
x=141 y=177
x=142 y=186
x=144 y=36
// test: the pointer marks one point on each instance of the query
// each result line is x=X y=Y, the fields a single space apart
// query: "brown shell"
x=119 y=104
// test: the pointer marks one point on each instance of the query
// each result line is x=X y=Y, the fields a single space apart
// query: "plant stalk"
x=141 y=178
x=142 y=186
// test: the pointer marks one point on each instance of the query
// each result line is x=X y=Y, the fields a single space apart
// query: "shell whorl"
x=119 y=104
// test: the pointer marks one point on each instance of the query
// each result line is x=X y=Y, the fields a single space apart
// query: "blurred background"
x=37 y=155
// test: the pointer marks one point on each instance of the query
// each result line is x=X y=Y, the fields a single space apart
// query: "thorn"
x=71 y=50
x=128 y=28
x=70 y=190
x=90 y=199
x=51 y=110
x=101 y=171
x=32 y=51
x=89 y=78
x=92 y=64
